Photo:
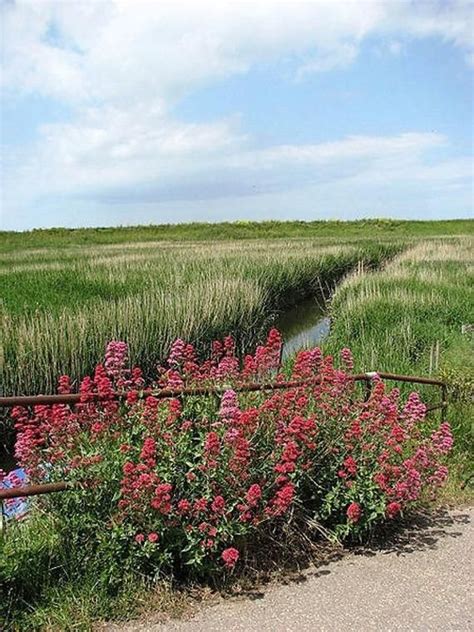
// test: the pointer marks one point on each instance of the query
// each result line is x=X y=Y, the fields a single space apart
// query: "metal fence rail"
x=77 y=398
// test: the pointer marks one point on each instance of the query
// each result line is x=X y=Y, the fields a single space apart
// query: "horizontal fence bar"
x=416 y=379
x=34 y=490
x=77 y=398
x=436 y=406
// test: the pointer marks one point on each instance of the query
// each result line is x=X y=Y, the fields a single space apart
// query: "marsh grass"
x=408 y=318
x=61 y=306
x=408 y=315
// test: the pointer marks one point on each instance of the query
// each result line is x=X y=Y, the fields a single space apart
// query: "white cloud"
x=124 y=50
x=145 y=157
x=452 y=21
x=123 y=64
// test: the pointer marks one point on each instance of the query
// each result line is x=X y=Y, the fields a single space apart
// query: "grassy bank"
x=408 y=318
x=62 y=305
x=328 y=231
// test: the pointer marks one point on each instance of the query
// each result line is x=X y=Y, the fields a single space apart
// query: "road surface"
x=422 y=581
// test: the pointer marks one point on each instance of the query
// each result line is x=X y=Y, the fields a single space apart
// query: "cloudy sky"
x=128 y=112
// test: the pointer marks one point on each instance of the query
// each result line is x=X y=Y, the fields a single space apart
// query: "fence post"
x=368 y=389
x=3 y=522
x=368 y=384
x=444 y=401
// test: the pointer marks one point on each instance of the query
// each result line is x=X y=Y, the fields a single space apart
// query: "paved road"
x=424 y=581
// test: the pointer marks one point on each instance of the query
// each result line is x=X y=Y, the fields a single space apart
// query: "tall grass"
x=408 y=317
x=61 y=306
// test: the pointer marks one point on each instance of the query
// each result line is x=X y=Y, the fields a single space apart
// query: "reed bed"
x=415 y=316
x=61 y=306
x=396 y=316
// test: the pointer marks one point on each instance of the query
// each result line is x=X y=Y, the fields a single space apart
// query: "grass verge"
x=410 y=317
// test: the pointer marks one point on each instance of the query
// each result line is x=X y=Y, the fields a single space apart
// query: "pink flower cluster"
x=185 y=478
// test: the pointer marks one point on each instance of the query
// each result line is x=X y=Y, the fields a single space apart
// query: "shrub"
x=181 y=485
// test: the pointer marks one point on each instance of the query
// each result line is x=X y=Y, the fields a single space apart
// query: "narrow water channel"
x=304 y=325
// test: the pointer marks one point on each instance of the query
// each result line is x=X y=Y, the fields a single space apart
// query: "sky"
x=124 y=112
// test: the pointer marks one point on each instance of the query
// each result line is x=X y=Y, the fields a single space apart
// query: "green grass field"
x=65 y=293
x=334 y=231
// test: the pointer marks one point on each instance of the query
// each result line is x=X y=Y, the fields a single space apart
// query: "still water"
x=304 y=325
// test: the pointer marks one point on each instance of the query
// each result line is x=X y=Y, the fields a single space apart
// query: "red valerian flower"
x=350 y=465
x=128 y=467
x=162 y=500
x=347 y=359
x=200 y=505
x=230 y=557
x=212 y=443
x=253 y=494
x=184 y=506
x=442 y=438
x=64 y=384
x=291 y=452
x=354 y=512
x=282 y=500
x=218 y=505
x=153 y=537
x=116 y=357
x=148 y=449
x=393 y=509
x=139 y=538
x=229 y=409
x=177 y=352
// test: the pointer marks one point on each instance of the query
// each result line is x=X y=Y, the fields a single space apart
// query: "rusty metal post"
x=369 y=376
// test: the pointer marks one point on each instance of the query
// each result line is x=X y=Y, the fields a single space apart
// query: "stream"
x=304 y=325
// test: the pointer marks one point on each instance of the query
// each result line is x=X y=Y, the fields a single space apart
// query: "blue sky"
x=128 y=112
